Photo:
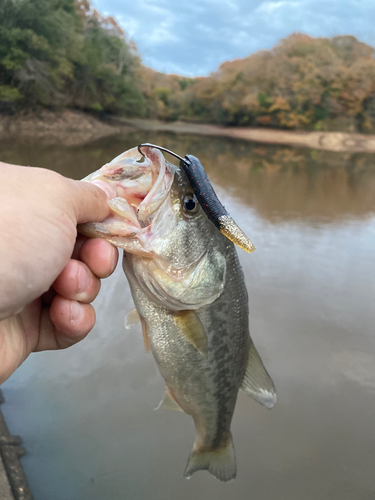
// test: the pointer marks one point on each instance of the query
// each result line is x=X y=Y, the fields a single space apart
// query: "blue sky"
x=193 y=37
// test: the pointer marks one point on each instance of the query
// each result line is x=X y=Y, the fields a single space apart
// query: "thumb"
x=90 y=201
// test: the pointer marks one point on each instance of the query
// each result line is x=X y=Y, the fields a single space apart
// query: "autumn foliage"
x=64 y=53
x=302 y=83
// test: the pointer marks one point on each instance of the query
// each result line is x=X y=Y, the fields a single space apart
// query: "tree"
x=63 y=53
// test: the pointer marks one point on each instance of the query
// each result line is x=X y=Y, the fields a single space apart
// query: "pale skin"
x=48 y=275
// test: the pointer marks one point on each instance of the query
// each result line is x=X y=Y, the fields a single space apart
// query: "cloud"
x=195 y=37
x=270 y=7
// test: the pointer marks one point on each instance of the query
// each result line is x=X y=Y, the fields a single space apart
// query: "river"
x=86 y=415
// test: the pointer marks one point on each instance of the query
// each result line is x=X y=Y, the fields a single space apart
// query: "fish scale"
x=189 y=291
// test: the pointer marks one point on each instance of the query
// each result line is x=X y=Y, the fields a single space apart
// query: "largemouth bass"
x=190 y=296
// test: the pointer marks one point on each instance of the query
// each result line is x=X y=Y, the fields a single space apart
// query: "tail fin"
x=221 y=463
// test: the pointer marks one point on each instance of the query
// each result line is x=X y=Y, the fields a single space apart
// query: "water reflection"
x=281 y=183
x=86 y=414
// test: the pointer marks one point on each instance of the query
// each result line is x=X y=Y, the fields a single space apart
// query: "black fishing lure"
x=208 y=199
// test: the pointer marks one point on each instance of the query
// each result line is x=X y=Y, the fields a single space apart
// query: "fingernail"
x=76 y=311
x=107 y=188
x=84 y=280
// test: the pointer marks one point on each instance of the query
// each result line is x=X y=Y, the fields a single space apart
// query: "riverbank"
x=73 y=128
x=327 y=141
x=68 y=128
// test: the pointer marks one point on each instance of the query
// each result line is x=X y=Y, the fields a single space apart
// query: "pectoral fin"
x=192 y=330
x=168 y=403
x=132 y=318
x=256 y=382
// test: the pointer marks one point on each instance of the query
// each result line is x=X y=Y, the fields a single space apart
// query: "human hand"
x=48 y=276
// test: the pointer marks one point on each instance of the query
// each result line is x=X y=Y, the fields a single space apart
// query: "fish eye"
x=190 y=204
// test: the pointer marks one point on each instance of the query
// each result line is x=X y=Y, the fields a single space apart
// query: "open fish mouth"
x=147 y=222
x=139 y=185
x=140 y=180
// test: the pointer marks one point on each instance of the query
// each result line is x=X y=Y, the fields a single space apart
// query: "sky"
x=193 y=37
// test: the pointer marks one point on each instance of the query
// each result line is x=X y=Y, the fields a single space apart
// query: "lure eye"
x=190 y=204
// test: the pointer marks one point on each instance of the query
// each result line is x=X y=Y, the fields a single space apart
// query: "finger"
x=78 y=245
x=65 y=323
x=89 y=201
x=100 y=256
x=77 y=282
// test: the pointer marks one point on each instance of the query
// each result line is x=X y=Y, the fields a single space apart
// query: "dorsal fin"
x=256 y=382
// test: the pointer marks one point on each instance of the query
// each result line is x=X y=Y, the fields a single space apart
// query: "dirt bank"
x=69 y=128
x=328 y=141
x=73 y=128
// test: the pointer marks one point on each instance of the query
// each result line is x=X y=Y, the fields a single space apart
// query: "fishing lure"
x=208 y=199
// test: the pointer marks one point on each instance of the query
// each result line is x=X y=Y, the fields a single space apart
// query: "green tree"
x=50 y=55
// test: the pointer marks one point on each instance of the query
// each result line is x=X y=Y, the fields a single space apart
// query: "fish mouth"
x=138 y=185
x=139 y=182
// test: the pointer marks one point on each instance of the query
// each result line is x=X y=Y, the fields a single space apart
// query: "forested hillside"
x=63 y=53
x=301 y=83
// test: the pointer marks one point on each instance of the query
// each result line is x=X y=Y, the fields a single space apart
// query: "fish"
x=190 y=296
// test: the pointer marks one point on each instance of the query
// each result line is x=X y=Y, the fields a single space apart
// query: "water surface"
x=86 y=414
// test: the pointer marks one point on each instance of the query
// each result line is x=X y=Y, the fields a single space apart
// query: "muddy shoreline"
x=73 y=128
x=327 y=141
x=68 y=128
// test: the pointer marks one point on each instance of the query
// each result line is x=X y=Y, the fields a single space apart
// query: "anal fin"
x=256 y=382
x=168 y=403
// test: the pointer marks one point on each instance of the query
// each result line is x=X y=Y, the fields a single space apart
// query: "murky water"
x=86 y=414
